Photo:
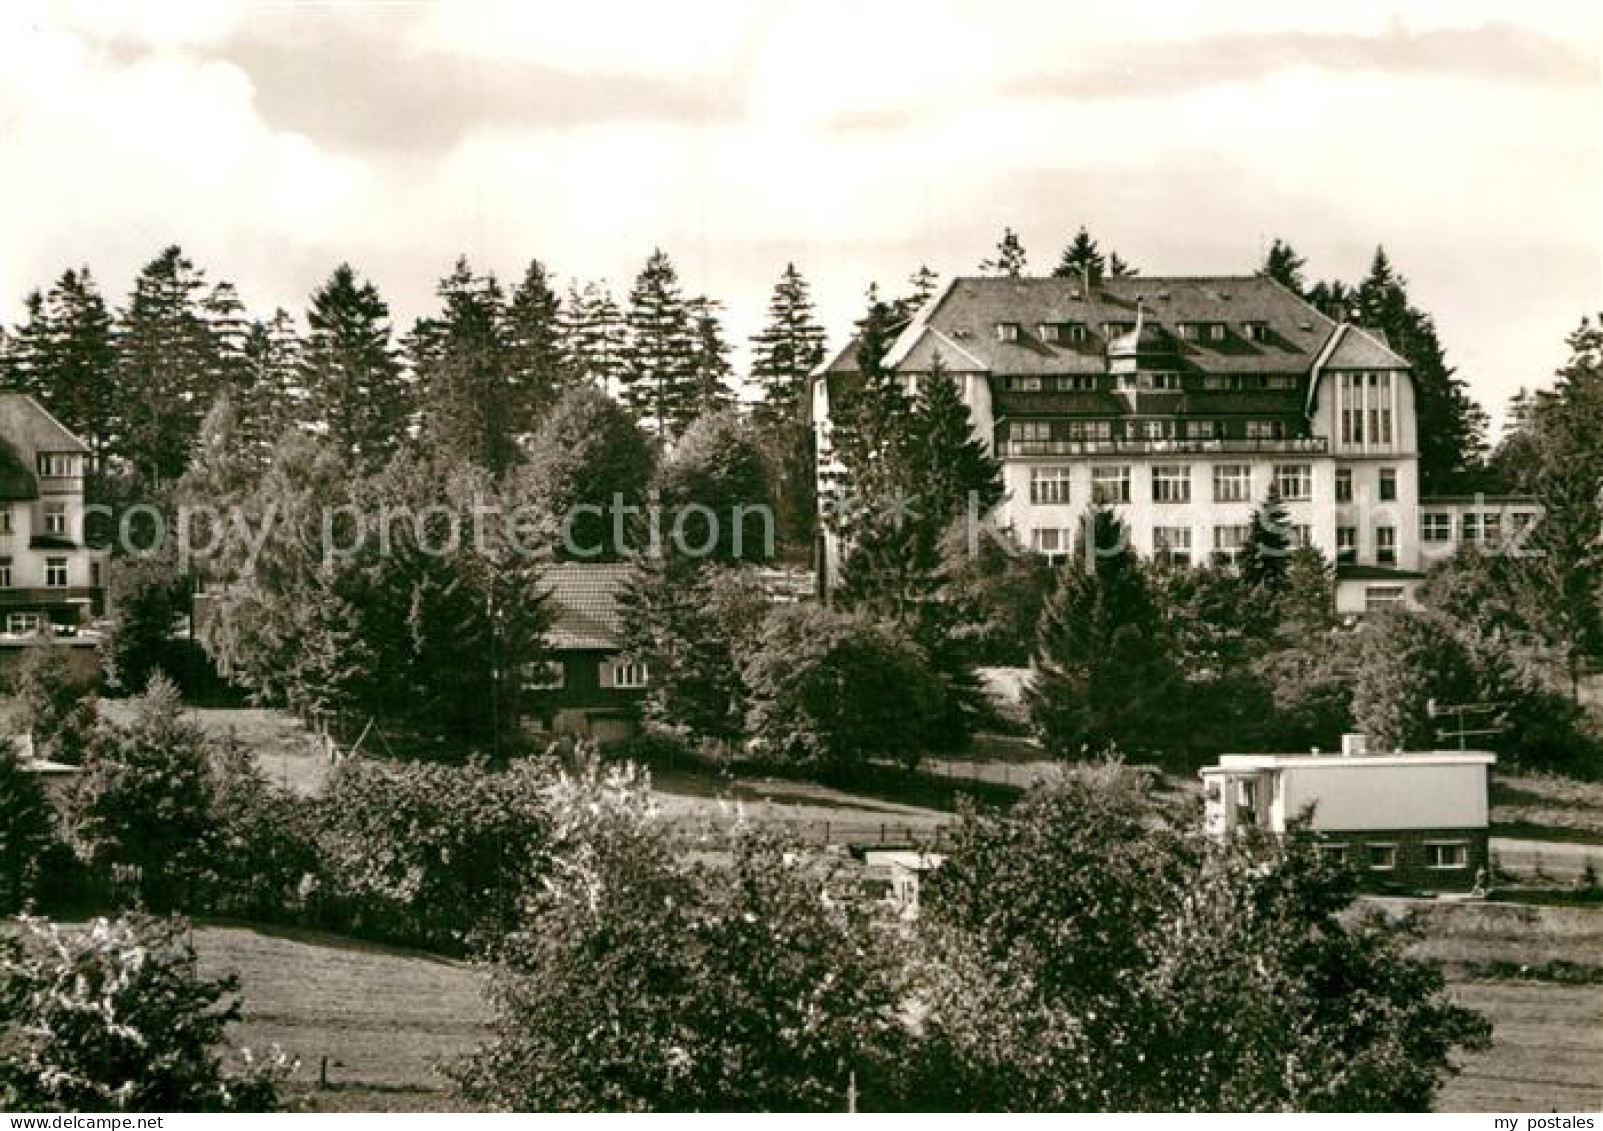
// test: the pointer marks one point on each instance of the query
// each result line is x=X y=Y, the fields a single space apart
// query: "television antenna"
x=1475 y=720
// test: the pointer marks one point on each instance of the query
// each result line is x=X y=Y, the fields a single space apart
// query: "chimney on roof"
x=1354 y=745
x=1085 y=278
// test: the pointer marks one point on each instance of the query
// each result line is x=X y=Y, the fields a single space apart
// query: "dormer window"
x=1111 y=330
x=1058 y=333
x=1216 y=331
x=1189 y=331
x=57 y=465
x=1256 y=331
x=1007 y=331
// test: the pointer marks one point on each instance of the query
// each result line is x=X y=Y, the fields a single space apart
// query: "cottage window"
x=1344 y=484
x=1382 y=857
x=1024 y=384
x=23 y=624
x=1378 y=598
x=1256 y=331
x=1388 y=484
x=56 y=573
x=56 y=465
x=1216 y=332
x=1228 y=542
x=56 y=518
x=1007 y=331
x=547 y=675
x=628 y=675
x=1051 y=541
x=1447 y=854
x=1346 y=543
x=5 y=574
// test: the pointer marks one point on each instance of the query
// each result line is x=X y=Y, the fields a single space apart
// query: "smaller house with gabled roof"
x=586 y=686
x=49 y=575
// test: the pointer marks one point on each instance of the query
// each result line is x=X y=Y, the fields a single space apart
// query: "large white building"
x=1178 y=401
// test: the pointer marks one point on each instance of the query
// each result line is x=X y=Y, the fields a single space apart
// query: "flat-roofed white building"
x=1414 y=820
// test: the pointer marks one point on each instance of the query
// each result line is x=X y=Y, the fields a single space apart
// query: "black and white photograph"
x=802 y=556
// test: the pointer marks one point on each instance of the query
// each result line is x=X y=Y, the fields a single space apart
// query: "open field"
x=389 y=1020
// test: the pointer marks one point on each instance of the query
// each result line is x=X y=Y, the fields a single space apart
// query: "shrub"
x=830 y=691
x=114 y=1017
x=27 y=829
x=145 y=802
x=1145 y=968
x=437 y=856
x=55 y=707
x=643 y=980
x=266 y=862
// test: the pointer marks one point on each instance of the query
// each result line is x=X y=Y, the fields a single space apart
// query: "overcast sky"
x=857 y=138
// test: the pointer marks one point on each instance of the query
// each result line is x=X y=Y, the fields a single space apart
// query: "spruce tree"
x=1081 y=259
x=788 y=349
x=784 y=355
x=272 y=399
x=1451 y=427
x=538 y=372
x=594 y=339
x=168 y=362
x=1103 y=671
x=658 y=379
x=357 y=394
x=1284 y=266
x=64 y=356
x=1267 y=552
x=1009 y=260
x=923 y=284
x=462 y=364
x=711 y=372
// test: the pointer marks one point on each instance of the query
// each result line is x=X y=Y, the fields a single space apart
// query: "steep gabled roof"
x=29 y=428
x=584 y=605
x=967 y=312
x=1361 y=348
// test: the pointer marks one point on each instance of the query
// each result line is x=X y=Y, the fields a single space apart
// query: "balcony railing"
x=1301 y=445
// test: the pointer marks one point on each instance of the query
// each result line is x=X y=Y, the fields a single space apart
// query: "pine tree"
x=538 y=371
x=1284 y=266
x=1119 y=269
x=923 y=283
x=1562 y=581
x=357 y=394
x=1267 y=552
x=784 y=355
x=461 y=362
x=64 y=357
x=710 y=368
x=594 y=339
x=230 y=328
x=272 y=399
x=1103 y=671
x=1081 y=259
x=1009 y=260
x=788 y=348
x=168 y=361
x=1451 y=427
x=658 y=379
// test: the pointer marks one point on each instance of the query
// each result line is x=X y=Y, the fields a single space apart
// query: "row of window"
x=1211 y=382
x=1160 y=428
x=55 y=573
x=1366 y=408
x=57 y=465
x=55 y=518
x=1382 y=857
x=1171 y=483
x=1475 y=526
x=552 y=675
x=1387 y=489
x=1172 y=545
x=1076 y=333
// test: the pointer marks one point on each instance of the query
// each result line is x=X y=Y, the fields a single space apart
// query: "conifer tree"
x=923 y=284
x=168 y=363
x=784 y=355
x=461 y=361
x=271 y=400
x=1267 y=552
x=1081 y=259
x=538 y=371
x=710 y=367
x=1282 y=264
x=356 y=392
x=1009 y=260
x=658 y=380
x=1451 y=427
x=1103 y=671
x=594 y=339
